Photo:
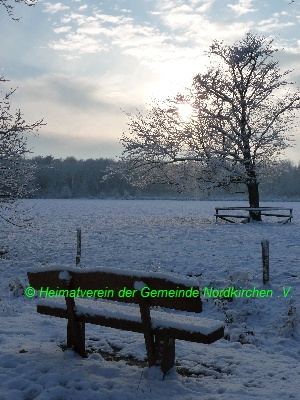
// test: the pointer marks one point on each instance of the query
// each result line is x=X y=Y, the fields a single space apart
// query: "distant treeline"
x=72 y=178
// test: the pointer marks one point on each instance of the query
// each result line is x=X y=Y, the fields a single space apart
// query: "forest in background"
x=72 y=178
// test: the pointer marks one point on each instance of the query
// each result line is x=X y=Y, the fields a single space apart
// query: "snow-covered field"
x=260 y=357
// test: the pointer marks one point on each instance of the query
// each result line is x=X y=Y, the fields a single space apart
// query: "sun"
x=184 y=111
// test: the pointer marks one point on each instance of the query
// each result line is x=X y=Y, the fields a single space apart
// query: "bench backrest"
x=184 y=296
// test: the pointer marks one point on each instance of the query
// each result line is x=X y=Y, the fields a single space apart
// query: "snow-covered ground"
x=260 y=357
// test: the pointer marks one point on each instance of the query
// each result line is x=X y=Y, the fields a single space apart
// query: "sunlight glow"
x=184 y=111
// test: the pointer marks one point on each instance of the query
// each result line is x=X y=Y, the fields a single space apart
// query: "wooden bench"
x=160 y=328
x=267 y=211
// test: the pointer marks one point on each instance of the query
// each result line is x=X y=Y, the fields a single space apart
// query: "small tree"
x=15 y=172
x=242 y=116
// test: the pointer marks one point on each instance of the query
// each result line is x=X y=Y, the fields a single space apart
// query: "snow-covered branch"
x=15 y=173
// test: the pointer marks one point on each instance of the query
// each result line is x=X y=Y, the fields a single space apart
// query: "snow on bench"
x=159 y=319
x=142 y=291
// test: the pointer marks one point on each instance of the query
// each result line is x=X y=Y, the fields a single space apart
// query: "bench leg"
x=75 y=328
x=148 y=335
x=289 y=219
x=165 y=352
x=161 y=349
x=76 y=337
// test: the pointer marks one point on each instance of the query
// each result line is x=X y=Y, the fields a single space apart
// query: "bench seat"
x=115 y=315
x=230 y=215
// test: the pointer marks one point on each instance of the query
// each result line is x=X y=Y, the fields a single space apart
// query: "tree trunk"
x=253 y=200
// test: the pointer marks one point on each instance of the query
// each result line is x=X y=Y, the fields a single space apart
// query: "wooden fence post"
x=78 y=254
x=265 y=260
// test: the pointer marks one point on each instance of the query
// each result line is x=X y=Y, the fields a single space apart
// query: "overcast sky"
x=78 y=63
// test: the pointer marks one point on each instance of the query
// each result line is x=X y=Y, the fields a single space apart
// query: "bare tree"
x=242 y=117
x=9 y=5
x=15 y=172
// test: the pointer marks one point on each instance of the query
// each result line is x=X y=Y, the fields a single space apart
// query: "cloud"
x=168 y=5
x=80 y=110
x=196 y=2
x=206 y=6
x=79 y=43
x=179 y=18
x=272 y=24
x=81 y=19
x=82 y=40
x=185 y=18
x=62 y=29
x=124 y=10
x=92 y=28
x=181 y=5
x=291 y=47
x=80 y=147
x=81 y=95
x=113 y=19
x=54 y=8
x=67 y=91
x=101 y=31
x=192 y=27
x=183 y=8
x=129 y=36
x=242 y=7
x=65 y=20
x=190 y=31
x=82 y=7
